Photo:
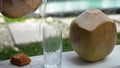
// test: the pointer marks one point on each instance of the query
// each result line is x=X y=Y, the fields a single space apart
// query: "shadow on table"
x=78 y=61
x=116 y=66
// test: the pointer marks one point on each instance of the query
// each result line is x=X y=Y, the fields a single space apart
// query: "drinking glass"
x=52 y=46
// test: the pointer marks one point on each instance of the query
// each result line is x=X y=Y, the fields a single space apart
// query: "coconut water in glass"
x=52 y=46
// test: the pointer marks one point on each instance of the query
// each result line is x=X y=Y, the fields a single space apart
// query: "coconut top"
x=91 y=19
x=19 y=8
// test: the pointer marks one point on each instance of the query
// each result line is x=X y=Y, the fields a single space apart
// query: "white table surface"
x=71 y=60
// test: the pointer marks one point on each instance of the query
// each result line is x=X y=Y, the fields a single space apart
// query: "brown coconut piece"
x=19 y=8
x=20 y=60
x=93 y=35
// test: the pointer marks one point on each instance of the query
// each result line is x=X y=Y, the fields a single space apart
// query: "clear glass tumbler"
x=52 y=46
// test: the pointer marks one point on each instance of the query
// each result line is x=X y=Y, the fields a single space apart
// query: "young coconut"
x=93 y=35
x=19 y=8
